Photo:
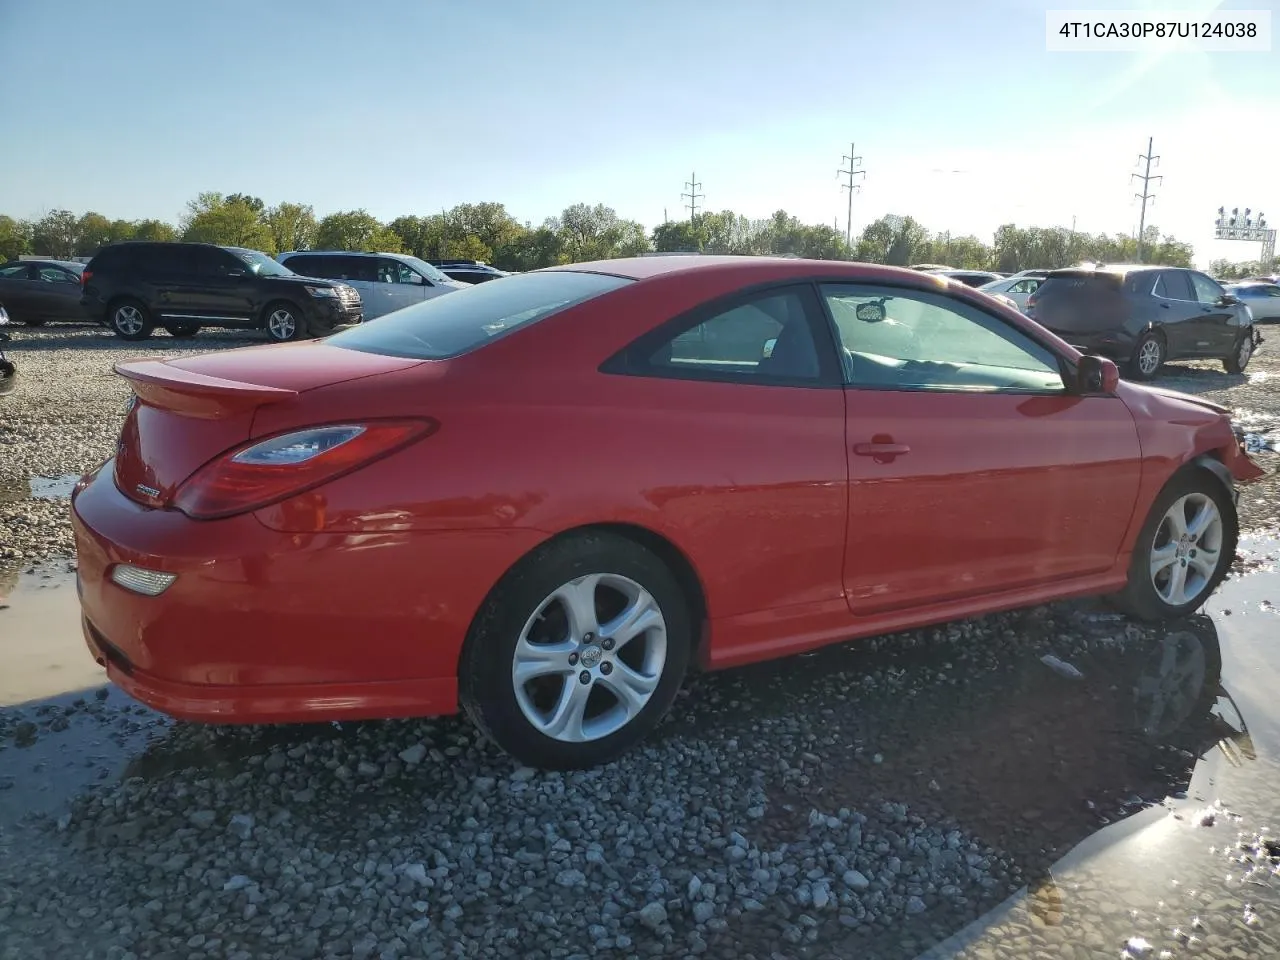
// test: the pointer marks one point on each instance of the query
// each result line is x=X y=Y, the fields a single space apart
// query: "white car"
x=1262 y=299
x=386 y=281
x=1017 y=287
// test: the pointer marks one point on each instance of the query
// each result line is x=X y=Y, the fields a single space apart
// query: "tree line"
x=487 y=232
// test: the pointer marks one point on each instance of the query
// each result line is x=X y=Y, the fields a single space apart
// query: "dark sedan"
x=37 y=291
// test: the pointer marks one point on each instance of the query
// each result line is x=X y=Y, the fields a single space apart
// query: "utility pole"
x=1146 y=193
x=693 y=196
x=852 y=172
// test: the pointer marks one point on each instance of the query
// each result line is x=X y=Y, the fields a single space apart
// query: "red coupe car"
x=546 y=498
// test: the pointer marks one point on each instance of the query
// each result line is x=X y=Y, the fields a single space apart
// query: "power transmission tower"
x=693 y=196
x=1146 y=193
x=851 y=187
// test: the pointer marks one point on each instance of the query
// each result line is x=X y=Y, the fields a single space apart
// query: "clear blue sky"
x=406 y=106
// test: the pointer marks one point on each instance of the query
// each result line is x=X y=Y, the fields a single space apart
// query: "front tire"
x=577 y=653
x=1184 y=549
x=284 y=322
x=1148 y=356
x=1241 y=354
x=130 y=319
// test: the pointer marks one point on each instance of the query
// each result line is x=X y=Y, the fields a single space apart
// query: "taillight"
x=267 y=471
x=85 y=277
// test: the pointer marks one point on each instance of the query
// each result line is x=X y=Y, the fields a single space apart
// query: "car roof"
x=644 y=268
x=46 y=261
x=1119 y=269
x=346 y=253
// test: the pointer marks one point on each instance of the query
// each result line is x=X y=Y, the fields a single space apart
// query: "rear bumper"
x=261 y=626
x=1115 y=345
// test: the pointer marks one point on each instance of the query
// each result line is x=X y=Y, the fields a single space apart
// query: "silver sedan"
x=1018 y=287
x=1262 y=299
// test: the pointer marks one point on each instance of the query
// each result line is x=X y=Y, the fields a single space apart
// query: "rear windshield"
x=455 y=323
x=1080 y=284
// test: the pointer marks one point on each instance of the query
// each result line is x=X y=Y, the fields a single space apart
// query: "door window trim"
x=632 y=360
x=1066 y=368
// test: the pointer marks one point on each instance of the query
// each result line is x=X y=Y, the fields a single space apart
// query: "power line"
x=851 y=187
x=1146 y=193
x=693 y=196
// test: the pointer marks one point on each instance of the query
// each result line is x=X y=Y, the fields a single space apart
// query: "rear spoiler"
x=195 y=394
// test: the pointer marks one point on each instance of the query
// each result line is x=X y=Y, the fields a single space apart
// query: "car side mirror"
x=1228 y=300
x=1097 y=375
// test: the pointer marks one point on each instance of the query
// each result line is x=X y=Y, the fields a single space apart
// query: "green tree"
x=356 y=230
x=15 y=238
x=892 y=240
x=154 y=231
x=211 y=218
x=679 y=236
x=596 y=233
x=92 y=231
x=253 y=203
x=292 y=225
x=55 y=234
x=532 y=249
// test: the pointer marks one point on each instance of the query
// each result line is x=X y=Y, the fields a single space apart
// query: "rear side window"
x=312 y=266
x=1173 y=285
x=1078 y=284
x=458 y=323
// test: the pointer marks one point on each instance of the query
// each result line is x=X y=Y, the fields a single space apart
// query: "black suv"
x=132 y=287
x=1141 y=315
x=468 y=271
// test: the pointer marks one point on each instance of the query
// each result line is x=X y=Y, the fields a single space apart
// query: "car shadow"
x=87 y=337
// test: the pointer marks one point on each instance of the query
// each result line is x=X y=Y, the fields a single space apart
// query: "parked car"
x=544 y=499
x=8 y=369
x=37 y=291
x=134 y=286
x=1142 y=315
x=1018 y=287
x=386 y=281
x=970 y=278
x=468 y=271
x=1262 y=299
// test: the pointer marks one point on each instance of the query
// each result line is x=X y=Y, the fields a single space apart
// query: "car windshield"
x=263 y=265
x=427 y=270
x=449 y=326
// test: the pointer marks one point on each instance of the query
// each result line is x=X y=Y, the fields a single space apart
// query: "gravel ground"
x=869 y=800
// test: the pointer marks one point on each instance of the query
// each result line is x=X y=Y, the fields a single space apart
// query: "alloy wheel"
x=128 y=320
x=590 y=658
x=1187 y=549
x=1149 y=357
x=282 y=325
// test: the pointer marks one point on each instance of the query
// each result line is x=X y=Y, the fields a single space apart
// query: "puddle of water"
x=53 y=488
x=41 y=645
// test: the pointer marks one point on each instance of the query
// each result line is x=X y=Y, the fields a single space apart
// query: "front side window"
x=766 y=338
x=1206 y=290
x=261 y=265
x=912 y=340
x=1029 y=285
x=57 y=275
x=393 y=271
x=444 y=327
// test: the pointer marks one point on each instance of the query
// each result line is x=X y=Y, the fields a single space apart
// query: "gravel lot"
x=869 y=800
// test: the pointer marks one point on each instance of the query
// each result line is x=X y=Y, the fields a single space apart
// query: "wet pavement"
x=1057 y=782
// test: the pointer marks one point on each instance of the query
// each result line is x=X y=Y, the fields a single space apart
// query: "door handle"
x=880 y=449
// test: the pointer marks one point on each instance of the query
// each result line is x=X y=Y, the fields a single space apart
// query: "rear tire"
x=1148 y=356
x=1241 y=353
x=129 y=319
x=283 y=322
x=596 y=606
x=1184 y=549
x=182 y=329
